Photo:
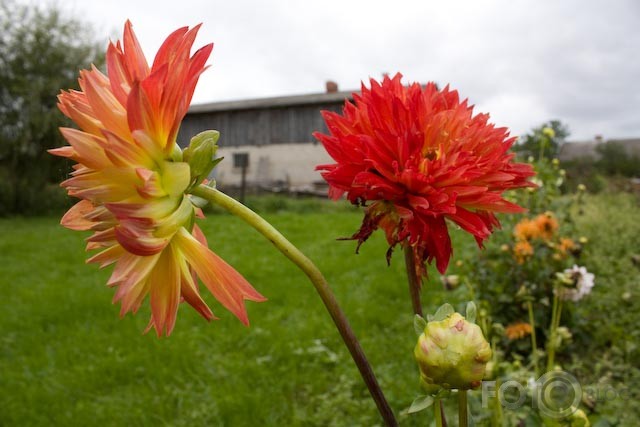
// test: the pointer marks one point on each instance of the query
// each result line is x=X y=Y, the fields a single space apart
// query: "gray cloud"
x=522 y=61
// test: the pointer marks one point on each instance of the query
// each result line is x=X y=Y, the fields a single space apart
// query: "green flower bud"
x=200 y=154
x=577 y=418
x=452 y=353
x=549 y=132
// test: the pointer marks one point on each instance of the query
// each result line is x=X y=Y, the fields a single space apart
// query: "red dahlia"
x=416 y=156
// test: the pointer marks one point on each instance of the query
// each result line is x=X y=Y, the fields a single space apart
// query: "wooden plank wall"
x=292 y=124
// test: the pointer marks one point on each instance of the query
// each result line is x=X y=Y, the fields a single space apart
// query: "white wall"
x=293 y=163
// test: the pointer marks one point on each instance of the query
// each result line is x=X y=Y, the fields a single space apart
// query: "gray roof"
x=274 y=102
x=575 y=150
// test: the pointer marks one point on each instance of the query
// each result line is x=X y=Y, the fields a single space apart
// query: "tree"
x=615 y=160
x=41 y=52
x=544 y=140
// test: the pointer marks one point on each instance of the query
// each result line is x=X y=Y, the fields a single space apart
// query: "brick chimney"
x=332 y=87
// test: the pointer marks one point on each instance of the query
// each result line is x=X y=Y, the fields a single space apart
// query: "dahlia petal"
x=131 y=300
x=184 y=214
x=123 y=153
x=86 y=148
x=133 y=55
x=103 y=236
x=152 y=184
x=141 y=114
x=490 y=202
x=75 y=218
x=439 y=243
x=189 y=289
x=119 y=78
x=138 y=243
x=176 y=177
x=105 y=106
x=164 y=288
x=77 y=109
x=169 y=47
x=107 y=256
x=226 y=284
x=131 y=269
x=471 y=223
x=154 y=86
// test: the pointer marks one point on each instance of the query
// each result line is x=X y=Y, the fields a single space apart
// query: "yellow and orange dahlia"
x=133 y=182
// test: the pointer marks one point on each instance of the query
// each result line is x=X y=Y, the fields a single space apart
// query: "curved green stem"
x=318 y=281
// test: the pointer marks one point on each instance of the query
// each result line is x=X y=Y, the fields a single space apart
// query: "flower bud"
x=452 y=353
x=579 y=419
x=549 y=132
x=200 y=154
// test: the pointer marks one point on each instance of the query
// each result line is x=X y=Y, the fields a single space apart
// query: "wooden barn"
x=270 y=137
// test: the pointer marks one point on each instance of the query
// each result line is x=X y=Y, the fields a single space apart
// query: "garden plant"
x=505 y=320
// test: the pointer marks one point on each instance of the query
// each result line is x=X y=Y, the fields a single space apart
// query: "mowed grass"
x=66 y=358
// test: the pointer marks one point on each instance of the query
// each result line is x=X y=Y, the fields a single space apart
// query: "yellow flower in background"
x=526 y=229
x=566 y=246
x=522 y=251
x=518 y=330
x=132 y=181
x=547 y=225
x=543 y=226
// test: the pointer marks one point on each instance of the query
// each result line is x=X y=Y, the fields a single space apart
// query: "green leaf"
x=471 y=313
x=421 y=403
x=443 y=312
x=419 y=324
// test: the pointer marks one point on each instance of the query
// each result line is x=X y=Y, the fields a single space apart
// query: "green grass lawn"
x=66 y=358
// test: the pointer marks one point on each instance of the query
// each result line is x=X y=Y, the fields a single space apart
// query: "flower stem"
x=496 y=414
x=534 y=346
x=556 y=313
x=442 y=415
x=414 y=280
x=437 y=411
x=318 y=281
x=462 y=408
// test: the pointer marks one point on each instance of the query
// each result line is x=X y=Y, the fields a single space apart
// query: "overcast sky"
x=522 y=61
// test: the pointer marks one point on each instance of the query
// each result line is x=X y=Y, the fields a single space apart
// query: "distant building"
x=272 y=135
x=588 y=149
